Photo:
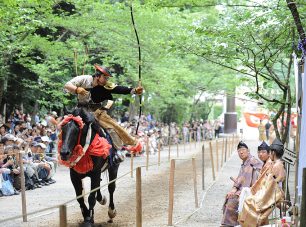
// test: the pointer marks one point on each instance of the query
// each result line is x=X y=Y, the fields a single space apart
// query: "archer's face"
x=101 y=80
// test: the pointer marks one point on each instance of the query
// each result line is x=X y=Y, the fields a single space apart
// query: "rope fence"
x=226 y=147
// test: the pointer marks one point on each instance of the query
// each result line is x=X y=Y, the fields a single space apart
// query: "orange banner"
x=252 y=119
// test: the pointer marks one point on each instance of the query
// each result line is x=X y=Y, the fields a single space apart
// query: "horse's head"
x=71 y=132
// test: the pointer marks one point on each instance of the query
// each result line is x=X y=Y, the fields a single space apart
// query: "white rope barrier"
x=55 y=208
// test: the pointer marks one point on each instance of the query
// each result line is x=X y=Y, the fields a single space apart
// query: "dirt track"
x=155 y=183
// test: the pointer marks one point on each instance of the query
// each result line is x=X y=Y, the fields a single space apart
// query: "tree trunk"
x=292 y=6
x=3 y=89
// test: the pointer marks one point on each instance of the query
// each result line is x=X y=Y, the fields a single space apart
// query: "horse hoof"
x=110 y=221
x=112 y=213
x=103 y=200
x=87 y=224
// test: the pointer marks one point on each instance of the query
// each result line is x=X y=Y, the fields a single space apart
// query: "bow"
x=139 y=65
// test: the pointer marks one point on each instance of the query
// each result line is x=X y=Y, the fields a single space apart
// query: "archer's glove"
x=81 y=91
x=139 y=90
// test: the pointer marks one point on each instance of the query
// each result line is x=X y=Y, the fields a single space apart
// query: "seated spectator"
x=266 y=191
x=48 y=169
x=10 y=162
x=263 y=152
x=247 y=176
x=9 y=140
x=4 y=171
x=4 y=129
x=31 y=174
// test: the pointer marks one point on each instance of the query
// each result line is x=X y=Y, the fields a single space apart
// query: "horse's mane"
x=88 y=118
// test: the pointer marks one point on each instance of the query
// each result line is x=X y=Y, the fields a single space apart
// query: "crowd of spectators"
x=35 y=139
x=164 y=134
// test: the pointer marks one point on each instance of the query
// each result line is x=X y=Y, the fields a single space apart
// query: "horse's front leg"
x=112 y=171
x=101 y=198
x=76 y=180
x=95 y=183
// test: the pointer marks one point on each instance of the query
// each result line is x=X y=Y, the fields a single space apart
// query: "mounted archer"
x=95 y=94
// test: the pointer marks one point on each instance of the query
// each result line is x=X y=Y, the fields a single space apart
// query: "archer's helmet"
x=102 y=70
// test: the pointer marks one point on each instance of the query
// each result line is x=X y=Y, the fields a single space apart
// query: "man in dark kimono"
x=247 y=176
x=95 y=92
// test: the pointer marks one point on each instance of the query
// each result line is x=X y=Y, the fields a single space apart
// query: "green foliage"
x=218 y=110
x=189 y=47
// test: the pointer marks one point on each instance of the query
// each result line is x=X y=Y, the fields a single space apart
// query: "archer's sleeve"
x=83 y=81
x=121 y=90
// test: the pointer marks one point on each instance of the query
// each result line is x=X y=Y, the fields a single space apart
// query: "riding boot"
x=118 y=157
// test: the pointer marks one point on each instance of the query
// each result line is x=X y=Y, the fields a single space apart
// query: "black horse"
x=73 y=135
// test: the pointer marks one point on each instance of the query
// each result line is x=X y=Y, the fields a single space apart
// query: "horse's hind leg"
x=77 y=184
x=113 y=171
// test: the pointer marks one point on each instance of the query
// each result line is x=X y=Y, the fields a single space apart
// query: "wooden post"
x=212 y=161
x=195 y=183
x=132 y=165
x=158 y=153
x=63 y=215
x=138 y=198
x=225 y=153
x=203 y=167
x=230 y=144
x=171 y=192
x=184 y=143
x=195 y=138
x=23 y=196
x=169 y=151
x=233 y=143
x=147 y=153
x=222 y=154
x=177 y=150
x=303 y=202
x=217 y=154
x=190 y=140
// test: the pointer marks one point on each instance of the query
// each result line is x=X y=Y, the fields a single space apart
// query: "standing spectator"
x=261 y=130
x=185 y=133
x=36 y=118
x=51 y=119
x=2 y=120
x=125 y=118
x=267 y=127
x=217 y=128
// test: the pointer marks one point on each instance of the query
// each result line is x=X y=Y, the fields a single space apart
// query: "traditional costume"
x=247 y=176
x=266 y=193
